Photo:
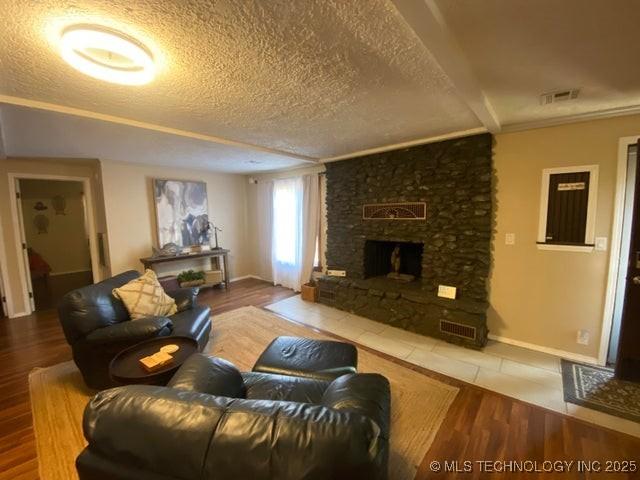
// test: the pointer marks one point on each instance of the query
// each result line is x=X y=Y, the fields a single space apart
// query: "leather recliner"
x=97 y=325
x=214 y=423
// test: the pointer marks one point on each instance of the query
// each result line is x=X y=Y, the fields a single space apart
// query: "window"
x=567 y=208
x=286 y=223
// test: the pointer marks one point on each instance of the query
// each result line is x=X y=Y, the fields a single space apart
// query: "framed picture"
x=181 y=212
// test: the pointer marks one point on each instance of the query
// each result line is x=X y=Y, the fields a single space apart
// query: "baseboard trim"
x=576 y=357
x=52 y=274
x=244 y=277
x=18 y=314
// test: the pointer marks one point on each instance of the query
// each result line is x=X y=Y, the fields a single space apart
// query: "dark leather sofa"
x=97 y=325
x=213 y=422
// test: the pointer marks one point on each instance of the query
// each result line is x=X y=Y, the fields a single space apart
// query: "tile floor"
x=531 y=376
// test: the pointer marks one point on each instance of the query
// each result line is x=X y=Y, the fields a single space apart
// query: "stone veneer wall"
x=453 y=177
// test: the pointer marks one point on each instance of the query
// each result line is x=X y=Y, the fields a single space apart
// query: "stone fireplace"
x=432 y=205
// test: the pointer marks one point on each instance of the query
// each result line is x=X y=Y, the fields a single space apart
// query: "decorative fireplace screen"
x=395 y=211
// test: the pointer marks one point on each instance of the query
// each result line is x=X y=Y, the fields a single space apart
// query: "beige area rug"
x=419 y=403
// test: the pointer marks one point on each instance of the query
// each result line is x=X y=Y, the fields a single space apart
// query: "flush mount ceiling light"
x=107 y=55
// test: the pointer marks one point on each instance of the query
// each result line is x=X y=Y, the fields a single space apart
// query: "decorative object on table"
x=213 y=277
x=396 y=260
x=156 y=361
x=59 y=204
x=40 y=206
x=181 y=212
x=596 y=388
x=168 y=250
x=191 y=278
x=209 y=228
x=41 y=222
x=170 y=349
x=309 y=292
x=201 y=248
x=144 y=297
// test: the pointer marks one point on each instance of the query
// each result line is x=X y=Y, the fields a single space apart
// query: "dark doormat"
x=595 y=388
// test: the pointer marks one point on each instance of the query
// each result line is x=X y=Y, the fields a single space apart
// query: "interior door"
x=25 y=253
x=628 y=362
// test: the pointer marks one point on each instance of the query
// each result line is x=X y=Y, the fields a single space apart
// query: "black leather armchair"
x=213 y=422
x=97 y=325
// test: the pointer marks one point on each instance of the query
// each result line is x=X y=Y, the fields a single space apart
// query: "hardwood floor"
x=480 y=426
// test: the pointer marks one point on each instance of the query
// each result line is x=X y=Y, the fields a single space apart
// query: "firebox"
x=379 y=258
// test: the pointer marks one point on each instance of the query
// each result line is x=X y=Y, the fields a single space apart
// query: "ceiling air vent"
x=458 y=329
x=559 y=96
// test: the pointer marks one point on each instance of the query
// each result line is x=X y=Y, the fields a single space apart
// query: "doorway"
x=623 y=260
x=55 y=239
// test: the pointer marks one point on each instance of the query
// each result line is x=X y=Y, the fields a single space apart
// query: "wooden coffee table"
x=126 y=369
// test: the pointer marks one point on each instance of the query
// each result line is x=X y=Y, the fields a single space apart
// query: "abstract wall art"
x=181 y=212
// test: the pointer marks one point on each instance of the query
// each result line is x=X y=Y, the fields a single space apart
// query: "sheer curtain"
x=295 y=229
x=264 y=214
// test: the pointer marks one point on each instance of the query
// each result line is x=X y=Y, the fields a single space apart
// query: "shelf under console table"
x=217 y=254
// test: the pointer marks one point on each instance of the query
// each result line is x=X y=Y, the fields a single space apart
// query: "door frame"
x=616 y=243
x=4 y=285
x=16 y=219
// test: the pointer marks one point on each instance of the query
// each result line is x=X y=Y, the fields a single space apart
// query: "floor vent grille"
x=458 y=329
x=327 y=295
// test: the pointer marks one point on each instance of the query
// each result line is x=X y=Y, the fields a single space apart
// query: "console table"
x=217 y=253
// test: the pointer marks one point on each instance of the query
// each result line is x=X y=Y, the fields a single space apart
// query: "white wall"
x=131 y=216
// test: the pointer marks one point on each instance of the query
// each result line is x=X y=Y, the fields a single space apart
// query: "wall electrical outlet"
x=446 y=291
x=583 y=337
x=337 y=273
x=510 y=239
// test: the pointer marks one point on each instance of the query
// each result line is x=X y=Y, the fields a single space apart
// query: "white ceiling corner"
x=31 y=132
x=426 y=20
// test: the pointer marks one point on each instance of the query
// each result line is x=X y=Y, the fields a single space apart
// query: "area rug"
x=418 y=405
x=596 y=388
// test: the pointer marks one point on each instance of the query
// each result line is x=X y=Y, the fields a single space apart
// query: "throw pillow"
x=145 y=297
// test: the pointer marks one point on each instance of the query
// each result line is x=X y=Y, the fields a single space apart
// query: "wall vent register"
x=395 y=211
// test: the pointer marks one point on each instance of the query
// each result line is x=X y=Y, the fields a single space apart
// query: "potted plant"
x=310 y=291
x=191 y=278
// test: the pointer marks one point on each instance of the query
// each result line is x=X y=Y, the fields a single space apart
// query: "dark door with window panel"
x=567 y=208
x=628 y=362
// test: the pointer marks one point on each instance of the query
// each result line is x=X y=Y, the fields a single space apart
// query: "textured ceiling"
x=519 y=49
x=314 y=77
x=39 y=133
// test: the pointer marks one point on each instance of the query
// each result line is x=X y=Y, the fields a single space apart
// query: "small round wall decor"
x=40 y=206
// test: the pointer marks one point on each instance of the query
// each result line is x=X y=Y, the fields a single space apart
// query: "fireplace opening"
x=398 y=260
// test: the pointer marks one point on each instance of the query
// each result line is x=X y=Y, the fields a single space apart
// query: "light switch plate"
x=583 y=337
x=446 y=291
x=337 y=273
x=510 y=239
x=601 y=244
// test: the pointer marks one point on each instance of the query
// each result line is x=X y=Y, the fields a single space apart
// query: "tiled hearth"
x=520 y=373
